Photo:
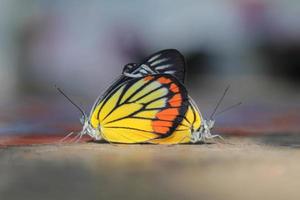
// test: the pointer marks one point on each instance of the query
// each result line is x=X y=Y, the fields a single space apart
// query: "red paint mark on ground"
x=25 y=140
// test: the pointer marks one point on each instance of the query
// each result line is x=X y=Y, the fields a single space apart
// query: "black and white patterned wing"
x=168 y=61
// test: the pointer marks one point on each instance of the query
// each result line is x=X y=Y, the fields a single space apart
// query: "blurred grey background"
x=81 y=46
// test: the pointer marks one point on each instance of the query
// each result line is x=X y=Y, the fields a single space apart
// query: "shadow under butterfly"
x=148 y=103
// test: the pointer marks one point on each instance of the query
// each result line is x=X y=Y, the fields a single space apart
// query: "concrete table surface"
x=241 y=168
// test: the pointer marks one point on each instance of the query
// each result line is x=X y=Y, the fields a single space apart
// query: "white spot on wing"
x=170 y=72
x=159 y=61
x=163 y=67
x=144 y=71
x=154 y=57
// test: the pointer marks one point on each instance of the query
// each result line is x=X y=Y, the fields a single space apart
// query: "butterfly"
x=148 y=104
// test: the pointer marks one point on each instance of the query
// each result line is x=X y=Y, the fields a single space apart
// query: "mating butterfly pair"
x=148 y=104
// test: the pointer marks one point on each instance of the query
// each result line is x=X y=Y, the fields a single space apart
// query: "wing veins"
x=138 y=90
x=136 y=129
x=123 y=92
x=148 y=93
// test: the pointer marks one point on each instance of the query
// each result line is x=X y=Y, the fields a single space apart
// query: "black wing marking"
x=169 y=61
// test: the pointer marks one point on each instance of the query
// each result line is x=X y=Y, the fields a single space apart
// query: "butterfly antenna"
x=70 y=100
x=219 y=102
x=229 y=108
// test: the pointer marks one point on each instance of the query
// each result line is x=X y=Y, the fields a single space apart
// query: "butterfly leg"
x=217 y=136
x=79 y=138
x=207 y=136
x=222 y=139
x=74 y=139
x=66 y=137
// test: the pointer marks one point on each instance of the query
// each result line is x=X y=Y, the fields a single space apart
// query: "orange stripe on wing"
x=148 y=78
x=174 y=88
x=164 y=80
x=168 y=114
x=161 y=123
x=176 y=100
x=161 y=129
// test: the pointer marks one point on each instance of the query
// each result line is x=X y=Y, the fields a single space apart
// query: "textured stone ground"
x=242 y=168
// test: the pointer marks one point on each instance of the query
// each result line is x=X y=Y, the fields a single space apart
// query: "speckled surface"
x=242 y=168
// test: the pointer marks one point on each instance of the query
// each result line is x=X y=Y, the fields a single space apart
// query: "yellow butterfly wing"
x=141 y=109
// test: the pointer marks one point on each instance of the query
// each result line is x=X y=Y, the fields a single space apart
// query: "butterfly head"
x=208 y=124
x=204 y=132
x=88 y=129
